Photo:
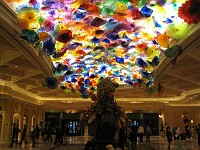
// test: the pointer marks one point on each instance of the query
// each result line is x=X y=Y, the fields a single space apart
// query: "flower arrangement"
x=105 y=109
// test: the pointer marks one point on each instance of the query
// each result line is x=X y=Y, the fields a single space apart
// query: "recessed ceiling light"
x=16 y=66
x=136 y=102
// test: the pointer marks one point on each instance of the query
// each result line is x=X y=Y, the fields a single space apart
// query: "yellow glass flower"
x=28 y=18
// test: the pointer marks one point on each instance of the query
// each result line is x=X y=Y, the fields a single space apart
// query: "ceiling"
x=24 y=69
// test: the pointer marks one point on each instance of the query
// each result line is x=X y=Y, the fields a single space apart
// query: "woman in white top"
x=177 y=138
x=141 y=132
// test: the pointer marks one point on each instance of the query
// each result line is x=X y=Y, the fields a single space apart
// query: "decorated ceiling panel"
x=88 y=40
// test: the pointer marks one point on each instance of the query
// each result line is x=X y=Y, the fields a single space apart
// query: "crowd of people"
x=179 y=135
x=37 y=131
x=128 y=137
x=125 y=138
x=131 y=136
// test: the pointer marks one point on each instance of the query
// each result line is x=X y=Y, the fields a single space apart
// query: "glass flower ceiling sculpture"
x=88 y=40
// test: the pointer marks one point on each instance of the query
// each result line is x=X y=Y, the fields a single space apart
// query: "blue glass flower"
x=49 y=47
x=120 y=60
x=79 y=14
x=146 y=11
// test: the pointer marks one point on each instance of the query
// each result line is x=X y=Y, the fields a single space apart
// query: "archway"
x=17 y=121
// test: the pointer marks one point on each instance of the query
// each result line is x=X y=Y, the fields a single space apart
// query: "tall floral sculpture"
x=105 y=114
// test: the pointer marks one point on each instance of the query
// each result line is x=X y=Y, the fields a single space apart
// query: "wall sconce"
x=160 y=116
x=191 y=121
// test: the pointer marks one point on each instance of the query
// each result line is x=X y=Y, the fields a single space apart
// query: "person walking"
x=14 y=134
x=49 y=132
x=177 y=138
x=169 y=137
x=17 y=134
x=24 y=136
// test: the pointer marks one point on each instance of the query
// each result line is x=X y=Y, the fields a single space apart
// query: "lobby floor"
x=77 y=143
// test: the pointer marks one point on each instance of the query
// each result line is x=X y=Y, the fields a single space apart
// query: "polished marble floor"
x=77 y=143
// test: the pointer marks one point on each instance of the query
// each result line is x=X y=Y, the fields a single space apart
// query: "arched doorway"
x=1 y=119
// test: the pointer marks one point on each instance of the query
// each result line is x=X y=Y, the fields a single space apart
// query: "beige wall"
x=11 y=107
x=173 y=116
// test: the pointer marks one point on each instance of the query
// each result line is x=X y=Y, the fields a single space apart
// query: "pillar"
x=85 y=130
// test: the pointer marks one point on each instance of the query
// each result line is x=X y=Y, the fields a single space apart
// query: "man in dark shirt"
x=133 y=137
x=14 y=132
x=24 y=136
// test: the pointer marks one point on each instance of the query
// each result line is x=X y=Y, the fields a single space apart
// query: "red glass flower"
x=190 y=11
x=64 y=36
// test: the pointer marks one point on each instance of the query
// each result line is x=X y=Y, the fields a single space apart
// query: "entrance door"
x=72 y=127
x=152 y=120
x=145 y=119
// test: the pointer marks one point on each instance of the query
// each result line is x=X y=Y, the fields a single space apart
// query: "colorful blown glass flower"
x=177 y=30
x=190 y=11
x=28 y=18
x=88 y=40
x=64 y=36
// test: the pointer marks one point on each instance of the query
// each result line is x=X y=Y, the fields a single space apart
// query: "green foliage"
x=105 y=109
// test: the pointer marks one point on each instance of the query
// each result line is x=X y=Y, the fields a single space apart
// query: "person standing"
x=141 y=132
x=133 y=137
x=33 y=136
x=43 y=133
x=187 y=130
x=37 y=131
x=169 y=137
x=24 y=136
x=128 y=141
x=122 y=138
x=198 y=133
x=148 y=133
